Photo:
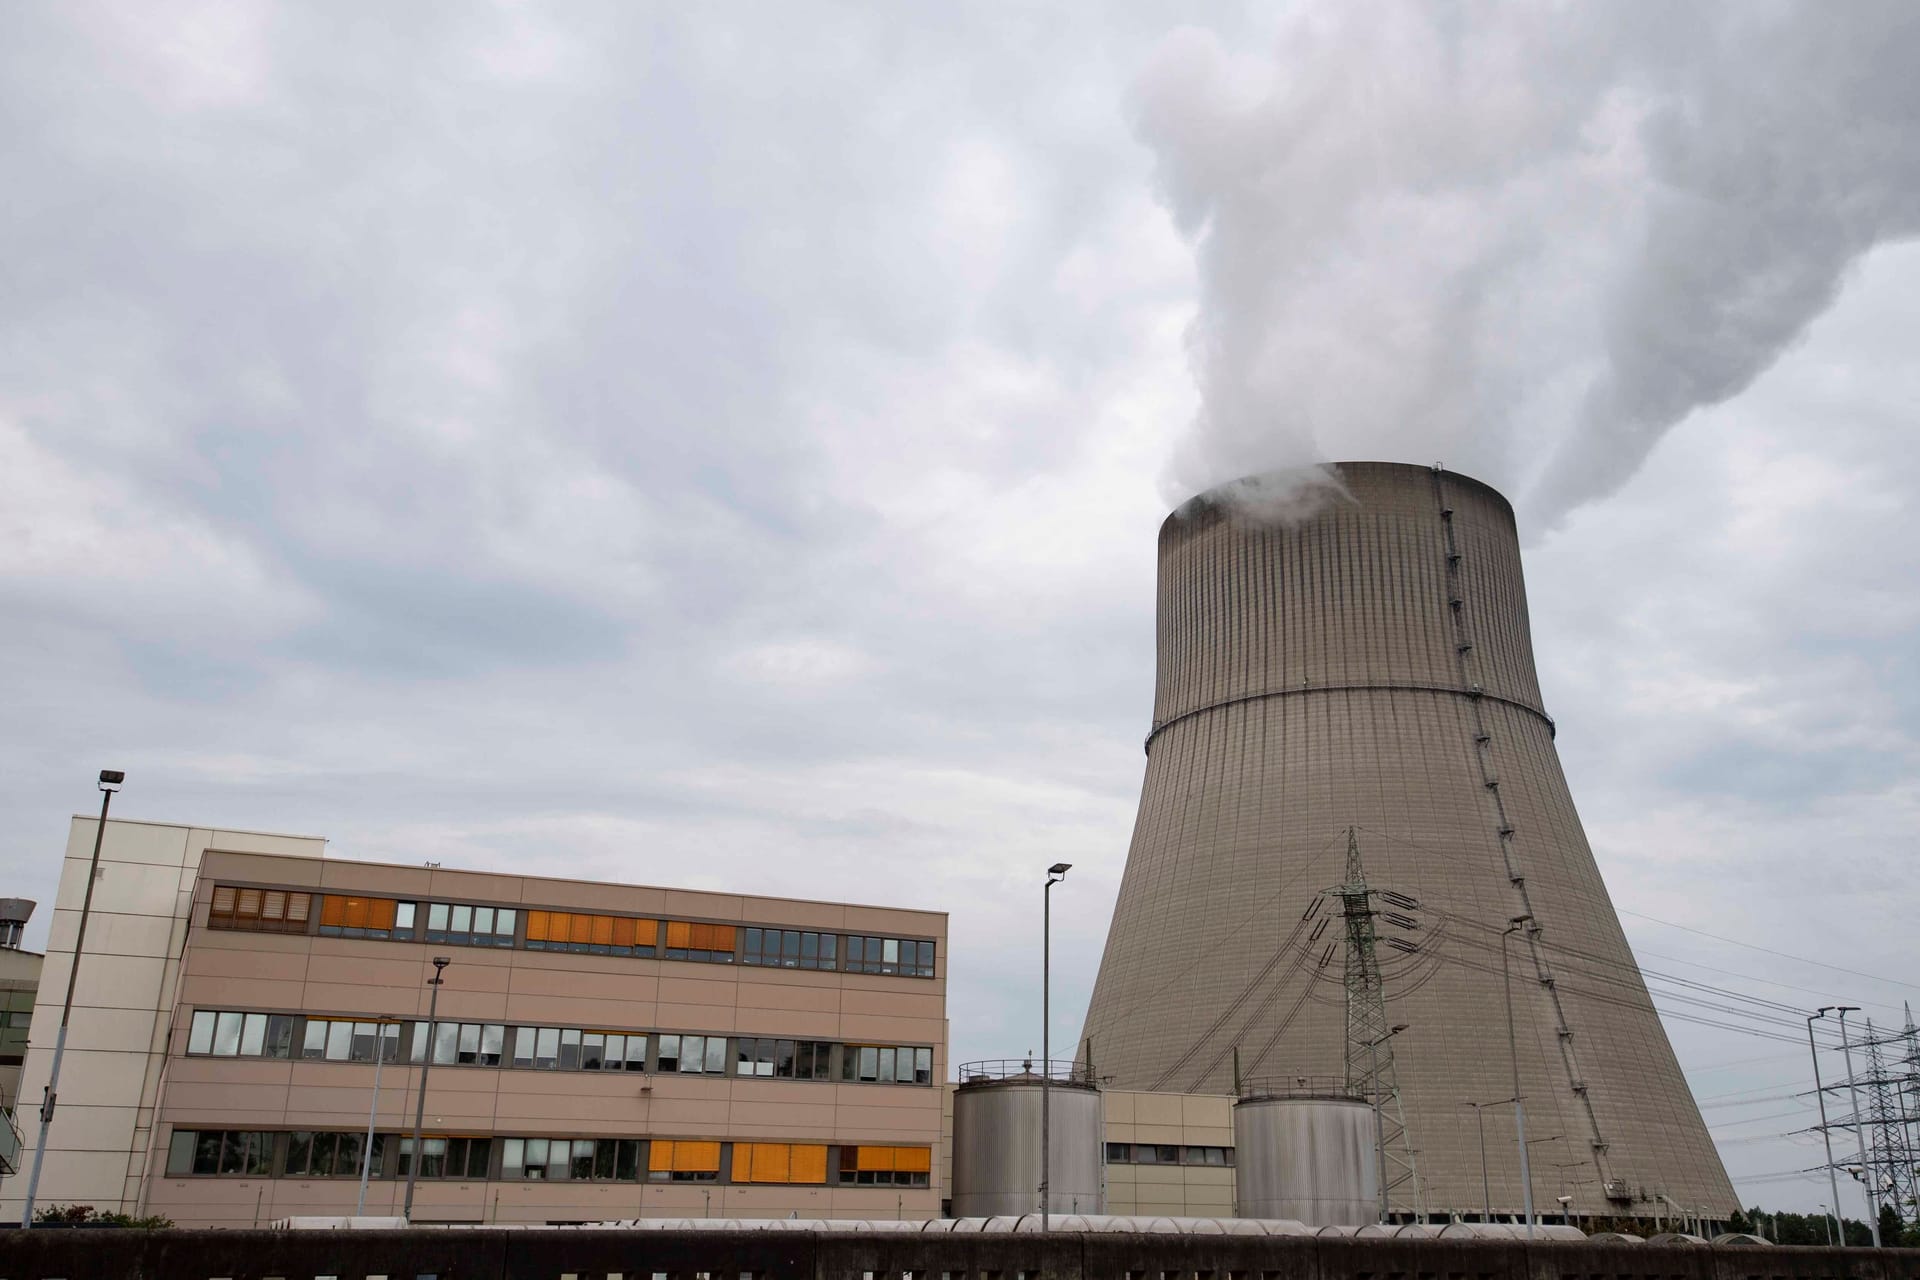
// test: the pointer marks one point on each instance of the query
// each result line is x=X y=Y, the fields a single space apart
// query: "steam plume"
x=1525 y=241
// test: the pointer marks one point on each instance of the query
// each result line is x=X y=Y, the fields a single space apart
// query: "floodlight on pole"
x=1819 y=1092
x=110 y=780
x=1055 y=874
x=440 y=964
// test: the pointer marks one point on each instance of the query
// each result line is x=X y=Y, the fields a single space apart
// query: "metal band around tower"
x=1456 y=691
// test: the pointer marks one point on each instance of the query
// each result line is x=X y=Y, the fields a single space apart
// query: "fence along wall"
x=769 y=1255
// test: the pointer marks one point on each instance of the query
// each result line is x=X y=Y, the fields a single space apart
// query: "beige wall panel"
x=689 y=904
x=128 y=842
x=477 y=886
x=217 y=954
x=304 y=847
x=896 y=1001
x=891 y=921
x=295 y=871
x=122 y=887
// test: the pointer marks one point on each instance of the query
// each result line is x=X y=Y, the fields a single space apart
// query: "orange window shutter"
x=723 y=937
x=760 y=1161
x=603 y=931
x=696 y=1157
x=333 y=910
x=298 y=905
x=356 y=913
x=274 y=905
x=646 y=933
x=660 y=1156
x=702 y=937
x=559 y=926
x=224 y=897
x=875 y=1158
x=678 y=932
x=250 y=903
x=582 y=928
x=808 y=1164
x=536 y=926
x=623 y=931
x=913 y=1159
x=380 y=913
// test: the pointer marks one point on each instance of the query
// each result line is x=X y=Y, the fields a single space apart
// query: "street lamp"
x=1833 y=1181
x=1055 y=874
x=1859 y=1128
x=1513 y=1054
x=110 y=780
x=1379 y=1131
x=440 y=964
x=1479 y=1122
x=373 y=1111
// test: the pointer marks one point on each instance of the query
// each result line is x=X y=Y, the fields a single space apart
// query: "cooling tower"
x=1369 y=667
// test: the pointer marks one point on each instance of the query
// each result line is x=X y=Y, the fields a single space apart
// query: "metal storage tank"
x=996 y=1140
x=1305 y=1148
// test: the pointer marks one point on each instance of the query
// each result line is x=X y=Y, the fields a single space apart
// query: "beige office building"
x=600 y=1051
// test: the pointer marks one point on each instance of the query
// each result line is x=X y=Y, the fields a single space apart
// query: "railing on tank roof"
x=1328 y=1087
x=1015 y=1070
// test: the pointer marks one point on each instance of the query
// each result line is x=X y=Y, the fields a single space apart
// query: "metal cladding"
x=1308 y=1159
x=1370 y=666
x=996 y=1144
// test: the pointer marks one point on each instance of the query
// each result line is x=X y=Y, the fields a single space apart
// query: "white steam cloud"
x=1525 y=241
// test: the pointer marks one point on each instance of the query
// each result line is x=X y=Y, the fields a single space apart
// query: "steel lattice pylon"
x=1890 y=1155
x=1370 y=1069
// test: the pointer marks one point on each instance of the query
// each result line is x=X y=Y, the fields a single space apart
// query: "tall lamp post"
x=1833 y=1182
x=440 y=964
x=373 y=1111
x=1055 y=874
x=1513 y=1054
x=1859 y=1128
x=1379 y=1130
x=110 y=780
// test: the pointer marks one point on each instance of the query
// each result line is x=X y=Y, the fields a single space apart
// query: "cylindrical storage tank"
x=996 y=1140
x=1306 y=1156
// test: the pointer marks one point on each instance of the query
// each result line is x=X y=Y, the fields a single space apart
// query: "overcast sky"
x=724 y=445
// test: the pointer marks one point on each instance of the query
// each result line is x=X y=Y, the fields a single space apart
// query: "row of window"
x=304 y=1154
x=233 y=1034
x=470 y=924
x=1153 y=1153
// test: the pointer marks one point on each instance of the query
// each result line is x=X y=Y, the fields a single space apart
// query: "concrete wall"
x=1175 y=1190
x=475 y=1255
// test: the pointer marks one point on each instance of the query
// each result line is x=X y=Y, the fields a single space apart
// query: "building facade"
x=599 y=1051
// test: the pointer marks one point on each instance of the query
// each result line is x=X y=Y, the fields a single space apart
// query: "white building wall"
x=101 y=1136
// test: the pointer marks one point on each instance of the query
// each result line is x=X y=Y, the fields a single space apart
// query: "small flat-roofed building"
x=600 y=1051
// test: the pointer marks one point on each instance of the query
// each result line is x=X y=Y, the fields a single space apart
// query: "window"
x=885 y=1166
x=694 y=1054
x=333 y=1155
x=682 y=1161
x=616 y=1159
x=709 y=943
x=887 y=1064
x=352 y=916
x=465 y=1159
x=1119 y=1153
x=532 y=1158
x=591 y=934
x=259 y=910
x=1145 y=1153
x=469 y=926
x=905 y=956
x=803 y=1060
x=754 y=1057
x=788 y=949
x=620 y=1053
x=1216 y=1156
x=337 y=1040
x=789 y=1162
x=243 y=1153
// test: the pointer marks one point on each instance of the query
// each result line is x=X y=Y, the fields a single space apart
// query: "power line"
x=1784 y=955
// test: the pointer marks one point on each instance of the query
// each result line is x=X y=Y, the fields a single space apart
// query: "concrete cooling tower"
x=1368 y=668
